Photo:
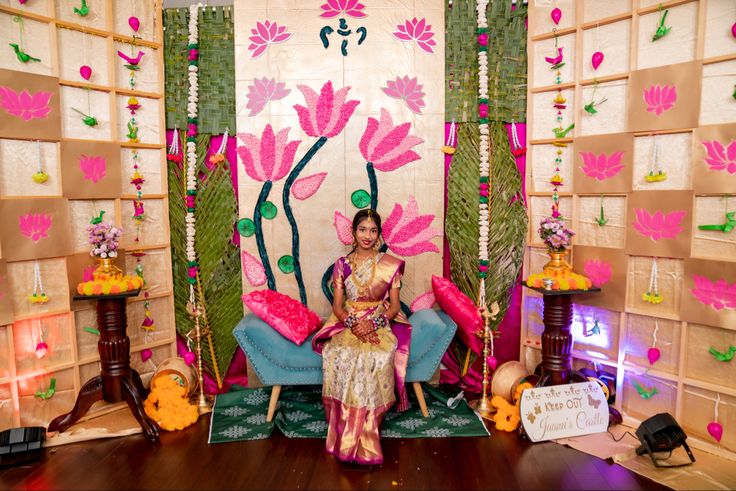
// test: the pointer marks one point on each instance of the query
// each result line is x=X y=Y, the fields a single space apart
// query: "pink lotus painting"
x=305 y=187
x=407 y=233
x=418 y=31
x=25 y=105
x=333 y=8
x=598 y=271
x=601 y=167
x=386 y=146
x=35 y=226
x=270 y=157
x=660 y=98
x=264 y=35
x=720 y=157
x=93 y=168
x=407 y=89
x=344 y=228
x=719 y=295
x=659 y=225
x=262 y=91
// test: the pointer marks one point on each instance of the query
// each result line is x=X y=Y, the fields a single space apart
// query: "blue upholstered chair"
x=277 y=361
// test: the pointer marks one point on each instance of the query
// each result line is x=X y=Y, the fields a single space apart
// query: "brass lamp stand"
x=483 y=405
x=204 y=403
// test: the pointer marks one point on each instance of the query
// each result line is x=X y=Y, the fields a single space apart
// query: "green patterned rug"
x=241 y=415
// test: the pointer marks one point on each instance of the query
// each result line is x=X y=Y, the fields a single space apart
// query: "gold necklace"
x=359 y=283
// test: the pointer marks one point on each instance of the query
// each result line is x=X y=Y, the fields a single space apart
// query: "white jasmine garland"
x=191 y=148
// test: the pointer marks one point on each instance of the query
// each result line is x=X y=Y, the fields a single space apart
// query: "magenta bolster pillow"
x=287 y=316
x=460 y=309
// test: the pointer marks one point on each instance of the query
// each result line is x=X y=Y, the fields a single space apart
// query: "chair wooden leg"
x=420 y=397
x=275 y=391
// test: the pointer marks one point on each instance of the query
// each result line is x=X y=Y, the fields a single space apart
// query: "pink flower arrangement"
x=104 y=239
x=555 y=235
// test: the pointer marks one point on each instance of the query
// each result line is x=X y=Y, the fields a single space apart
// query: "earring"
x=377 y=245
x=354 y=244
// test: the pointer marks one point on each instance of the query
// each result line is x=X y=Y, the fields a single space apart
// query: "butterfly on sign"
x=592 y=402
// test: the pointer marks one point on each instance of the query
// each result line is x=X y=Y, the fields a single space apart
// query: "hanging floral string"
x=219 y=155
x=40 y=176
x=173 y=153
x=652 y=295
x=191 y=160
x=449 y=147
x=39 y=295
x=22 y=56
x=590 y=107
x=655 y=169
x=517 y=149
x=484 y=148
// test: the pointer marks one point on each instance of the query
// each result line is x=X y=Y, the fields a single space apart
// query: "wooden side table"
x=117 y=380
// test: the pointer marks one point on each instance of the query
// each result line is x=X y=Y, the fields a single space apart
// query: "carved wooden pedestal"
x=117 y=380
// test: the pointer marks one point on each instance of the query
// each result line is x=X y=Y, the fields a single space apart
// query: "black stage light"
x=661 y=433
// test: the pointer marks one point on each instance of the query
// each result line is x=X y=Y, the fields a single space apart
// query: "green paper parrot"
x=48 y=393
x=132 y=132
x=644 y=393
x=98 y=218
x=83 y=10
x=662 y=30
x=724 y=227
x=560 y=133
x=23 y=57
x=86 y=118
x=590 y=107
x=91 y=330
x=727 y=356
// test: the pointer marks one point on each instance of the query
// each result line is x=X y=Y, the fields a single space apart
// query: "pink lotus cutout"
x=423 y=301
x=305 y=187
x=660 y=98
x=407 y=232
x=659 y=225
x=262 y=91
x=253 y=269
x=35 y=226
x=720 y=157
x=270 y=157
x=598 y=271
x=408 y=90
x=417 y=31
x=333 y=8
x=344 y=228
x=601 y=167
x=386 y=146
x=264 y=35
x=93 y=168
x=720 y=295
x=25 y=105
x=327 y=114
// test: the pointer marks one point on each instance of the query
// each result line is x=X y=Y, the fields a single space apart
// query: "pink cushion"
x=287 y=316
x=461 y=309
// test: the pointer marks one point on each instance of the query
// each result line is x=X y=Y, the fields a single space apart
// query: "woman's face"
x=366 y=234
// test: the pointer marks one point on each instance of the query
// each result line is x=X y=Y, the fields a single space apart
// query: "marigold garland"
x=168 y=406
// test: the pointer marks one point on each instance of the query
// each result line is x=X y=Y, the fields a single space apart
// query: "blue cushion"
x=431 y=334
x=276 y=360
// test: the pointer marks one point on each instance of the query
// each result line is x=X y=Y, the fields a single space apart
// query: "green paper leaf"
x=286 y=264
x=246 y=227
x=360 y=198
x=269 y=210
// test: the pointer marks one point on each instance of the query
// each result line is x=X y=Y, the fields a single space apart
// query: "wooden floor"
x=184 y=460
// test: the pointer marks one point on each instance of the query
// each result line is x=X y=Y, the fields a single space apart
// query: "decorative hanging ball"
x=715 y=430
x=556 y=15
x=653 y=354
x=42 y=350
x=40 y=177
x=733 y=30
x=596 y=59
x=146 y=354
x=492 y=362
x=189 y=358
x=85 y=71
x=134 y=23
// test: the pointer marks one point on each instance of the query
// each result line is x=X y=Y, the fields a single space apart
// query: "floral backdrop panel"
x=709 y=293
x=340 y=107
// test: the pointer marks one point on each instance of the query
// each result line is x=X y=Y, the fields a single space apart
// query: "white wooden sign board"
x=562 y=411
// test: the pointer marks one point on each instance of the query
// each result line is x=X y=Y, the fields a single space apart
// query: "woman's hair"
x=362 y=215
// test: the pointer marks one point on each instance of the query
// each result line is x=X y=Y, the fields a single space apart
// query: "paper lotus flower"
x=660 y=225
x=305 y=187
x=407 y=89
x=333 y=8
x=270 y=157
x=253 y=269
x=720 y=157
x=660 y=98
x=326 y=114
x=262 y=91
x=719 y=295
x=25 y=105
x=386 y=146
x=601 y=167
x=417 y=31
x=35 y=226
x=264 y=35
x=344 y=227
x=407 y=232
x=598 y=271
x=93 y=168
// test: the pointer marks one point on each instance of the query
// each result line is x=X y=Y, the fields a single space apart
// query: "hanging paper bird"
x=91 y=330
x=556 y=62
x=590 y=107
x=560 y=133
x=602 y=220
x=644 y=393
x=727 y=356
x=596 y=329
x=98 y=218
x=23 y=57
x=724 y=227
x=662 y=30
x=83 y=10
x=86 y=118
x=132 y=132
x=132 y=62
x=48 y=393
